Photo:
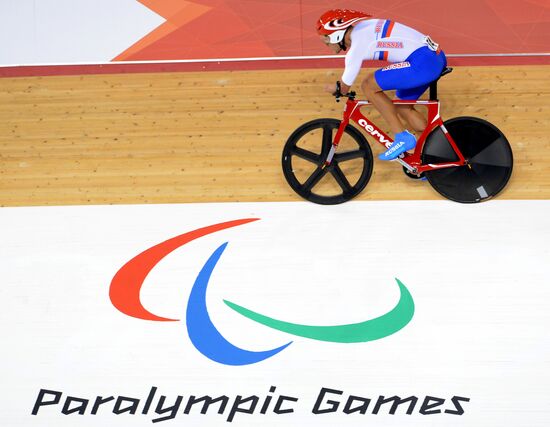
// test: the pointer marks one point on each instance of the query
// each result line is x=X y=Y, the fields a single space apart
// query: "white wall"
x=70 y=31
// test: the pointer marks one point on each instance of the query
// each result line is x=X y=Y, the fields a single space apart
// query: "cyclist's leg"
x=403 y=140
x=375 y=94
x=414 y=118
x=408 y=112
x=426 y=75
x=410 y=83
x=411 y=78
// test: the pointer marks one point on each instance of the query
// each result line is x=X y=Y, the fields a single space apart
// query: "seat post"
x=433 y=91
x=433 y=85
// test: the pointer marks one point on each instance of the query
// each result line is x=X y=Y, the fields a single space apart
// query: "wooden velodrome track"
x=218 y=136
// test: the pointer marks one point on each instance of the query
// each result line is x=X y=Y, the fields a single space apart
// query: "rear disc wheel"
x=488 y=155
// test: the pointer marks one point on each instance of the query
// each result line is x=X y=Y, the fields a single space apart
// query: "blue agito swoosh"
x=202 y=332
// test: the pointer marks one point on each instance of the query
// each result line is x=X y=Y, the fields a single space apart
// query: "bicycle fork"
x=335 y=143
x=330 y=155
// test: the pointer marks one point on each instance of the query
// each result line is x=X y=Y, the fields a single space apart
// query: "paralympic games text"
x=328 y=400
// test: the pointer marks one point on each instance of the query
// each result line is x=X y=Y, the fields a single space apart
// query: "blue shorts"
x=412 y=77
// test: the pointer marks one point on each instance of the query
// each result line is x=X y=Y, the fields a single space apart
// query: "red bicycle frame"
x=412 y=162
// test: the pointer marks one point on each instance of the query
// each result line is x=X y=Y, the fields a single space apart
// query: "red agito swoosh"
x=126 y=285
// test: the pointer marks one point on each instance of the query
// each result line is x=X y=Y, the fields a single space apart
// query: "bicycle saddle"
x=446 y=71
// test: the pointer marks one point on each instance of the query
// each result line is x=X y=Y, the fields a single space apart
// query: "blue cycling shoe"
x=404 y=141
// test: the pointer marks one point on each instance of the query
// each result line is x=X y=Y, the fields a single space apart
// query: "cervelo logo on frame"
x=125 y=296
x=370 y=129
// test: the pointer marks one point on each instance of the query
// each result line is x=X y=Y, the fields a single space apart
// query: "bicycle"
x=465 y=159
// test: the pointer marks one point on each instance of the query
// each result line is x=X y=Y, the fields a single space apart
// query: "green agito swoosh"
x=368 y=330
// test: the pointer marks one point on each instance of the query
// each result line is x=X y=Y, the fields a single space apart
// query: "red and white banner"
x=36 y=32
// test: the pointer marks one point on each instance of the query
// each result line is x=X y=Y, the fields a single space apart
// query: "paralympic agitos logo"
x=125 y=296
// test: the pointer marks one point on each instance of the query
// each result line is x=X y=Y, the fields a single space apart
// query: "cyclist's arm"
x=357 y=52
x=354 y=59
x=353 y=66
x=344 y=88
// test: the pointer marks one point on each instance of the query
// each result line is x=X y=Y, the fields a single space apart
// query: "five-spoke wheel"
x=304 y=158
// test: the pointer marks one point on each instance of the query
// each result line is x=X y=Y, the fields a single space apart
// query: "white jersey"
x=380 y=39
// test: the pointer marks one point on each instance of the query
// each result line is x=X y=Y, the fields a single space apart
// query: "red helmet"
x=335 y=22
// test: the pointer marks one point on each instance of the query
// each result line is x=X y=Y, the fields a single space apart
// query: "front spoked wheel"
x=488 y=155
x=305 y=153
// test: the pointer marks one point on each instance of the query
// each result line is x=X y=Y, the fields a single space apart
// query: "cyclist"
x=416 y=60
